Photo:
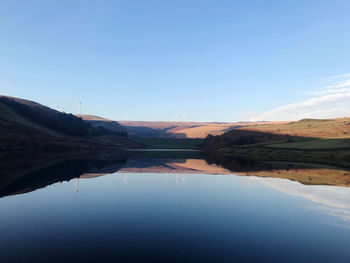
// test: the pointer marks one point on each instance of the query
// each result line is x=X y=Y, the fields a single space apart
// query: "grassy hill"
x=29 y=126
x=46 y=117
x=102 y=123
x=178 y=129
x=315 y=128
x=310 y=140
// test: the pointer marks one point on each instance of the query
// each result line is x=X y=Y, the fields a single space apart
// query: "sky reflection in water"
x=176 y=216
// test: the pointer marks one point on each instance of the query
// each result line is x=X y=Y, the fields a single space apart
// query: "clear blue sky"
x=215 y=60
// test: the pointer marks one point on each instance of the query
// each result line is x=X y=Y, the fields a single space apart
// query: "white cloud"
x=331 y=101
x=337 y=76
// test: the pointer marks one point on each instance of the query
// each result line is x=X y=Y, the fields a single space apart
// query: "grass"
x=316 y=144
x=318 y=141
x=165 y=143
x=310 y=128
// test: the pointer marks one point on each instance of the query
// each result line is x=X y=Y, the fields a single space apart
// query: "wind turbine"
x=79 y=105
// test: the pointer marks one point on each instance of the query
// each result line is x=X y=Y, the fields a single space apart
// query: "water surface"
x=170 y=210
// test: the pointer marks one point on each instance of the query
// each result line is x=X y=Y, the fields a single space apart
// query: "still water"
x=171 y=210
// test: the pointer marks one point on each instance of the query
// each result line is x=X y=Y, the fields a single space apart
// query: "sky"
x=209 y=60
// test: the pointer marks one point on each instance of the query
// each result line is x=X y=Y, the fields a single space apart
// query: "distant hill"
x=99 y=122
x=311 y=140
x=174 y=129
x=29 y=126
x=303 y=130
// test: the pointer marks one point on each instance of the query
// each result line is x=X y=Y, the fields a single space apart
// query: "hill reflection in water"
x=187 y=208
x=25 y=175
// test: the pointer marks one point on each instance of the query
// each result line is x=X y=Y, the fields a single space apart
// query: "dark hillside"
x=27 y=126
x=102 y=126
x=47 y=117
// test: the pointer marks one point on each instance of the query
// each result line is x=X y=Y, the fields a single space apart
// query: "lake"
x=172 y=209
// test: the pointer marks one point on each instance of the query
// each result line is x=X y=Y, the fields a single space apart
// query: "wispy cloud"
x=346 y=75
x=330 y=199
x=330 y=101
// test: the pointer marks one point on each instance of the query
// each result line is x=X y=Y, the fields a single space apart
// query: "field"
x=308 y=128
x=319 y=141
x=162 y=143
x=174 y=129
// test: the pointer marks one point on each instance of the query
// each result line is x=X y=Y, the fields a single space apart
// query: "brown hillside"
x=162 y=129
x=97 y=121
x=27 y=126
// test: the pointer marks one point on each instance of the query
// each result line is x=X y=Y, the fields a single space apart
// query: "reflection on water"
x=329 y=199
x=172 y=209
x=25 y=175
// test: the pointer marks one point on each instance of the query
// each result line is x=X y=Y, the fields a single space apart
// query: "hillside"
x=46 y=117
x=323 y=141
x=29 y=126
x=99 y=122
x=174 y=129
x=315 y=128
